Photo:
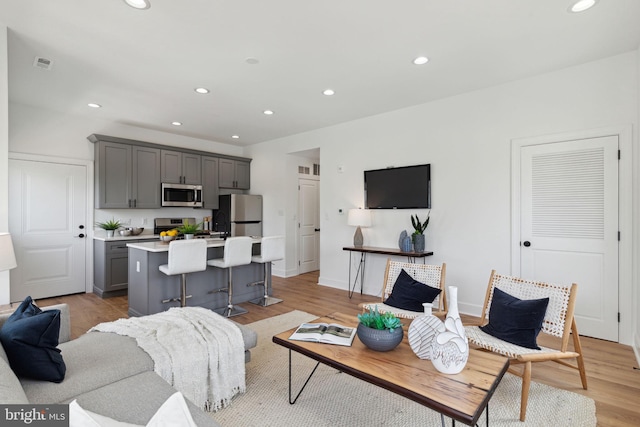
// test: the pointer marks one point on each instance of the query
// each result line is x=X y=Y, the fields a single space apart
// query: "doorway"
x=566 y=218
x=49 y=224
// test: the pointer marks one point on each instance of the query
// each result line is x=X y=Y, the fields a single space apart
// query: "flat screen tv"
x=407 y=187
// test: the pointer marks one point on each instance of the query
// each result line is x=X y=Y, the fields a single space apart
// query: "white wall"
x=4 y=152
x=466 y=139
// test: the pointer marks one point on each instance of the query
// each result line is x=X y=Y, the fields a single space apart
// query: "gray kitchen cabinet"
x=234 y=174
x=111 y=267
x=180 y=168
x=210 y=182
x=126 y=176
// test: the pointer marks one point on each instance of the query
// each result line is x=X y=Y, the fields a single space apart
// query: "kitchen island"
x=148 y=287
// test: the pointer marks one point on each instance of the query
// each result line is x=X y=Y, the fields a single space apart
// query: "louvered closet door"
x=569 y=225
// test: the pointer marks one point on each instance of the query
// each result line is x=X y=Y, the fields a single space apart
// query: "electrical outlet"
x=145 y=221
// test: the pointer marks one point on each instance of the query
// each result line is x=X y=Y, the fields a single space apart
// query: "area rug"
x=335 y=399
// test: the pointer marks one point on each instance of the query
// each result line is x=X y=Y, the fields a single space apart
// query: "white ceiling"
x=143 y=66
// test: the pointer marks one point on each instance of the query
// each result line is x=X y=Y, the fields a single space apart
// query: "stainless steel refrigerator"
x=239 y=215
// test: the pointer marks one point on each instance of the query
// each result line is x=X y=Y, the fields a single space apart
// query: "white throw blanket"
x=197 y=351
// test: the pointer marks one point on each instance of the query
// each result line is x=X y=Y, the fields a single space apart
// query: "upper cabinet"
x=181 y=168
x=126 y=176
x=210 y=191
x=234 y=174
x=129 y=173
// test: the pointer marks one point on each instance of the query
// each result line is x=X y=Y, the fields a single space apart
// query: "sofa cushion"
x=135 y=400
x=174 y=412
x=30 y=337
x=249 y=338
x=10 y=389
x=93 y=360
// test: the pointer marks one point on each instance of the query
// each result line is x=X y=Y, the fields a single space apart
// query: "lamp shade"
x=359 y=217
x=7 y=256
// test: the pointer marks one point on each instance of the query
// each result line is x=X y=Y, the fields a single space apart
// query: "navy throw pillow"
x=30 y=337
x=409 y=294
x=514 y=320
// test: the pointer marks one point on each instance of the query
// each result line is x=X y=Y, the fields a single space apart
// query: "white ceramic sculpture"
x=423 y=330
x=450 y=348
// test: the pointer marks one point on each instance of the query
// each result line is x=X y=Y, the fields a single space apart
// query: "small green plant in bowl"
x=381 y=321
x=111 y=224
x=187 y=228
x=379 y=331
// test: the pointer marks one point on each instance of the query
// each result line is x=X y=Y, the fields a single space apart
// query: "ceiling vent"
x=43 y=63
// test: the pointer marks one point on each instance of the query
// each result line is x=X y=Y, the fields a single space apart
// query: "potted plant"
x=188 y=230
x=110 y=226
x=379 y=331
x=418 y=234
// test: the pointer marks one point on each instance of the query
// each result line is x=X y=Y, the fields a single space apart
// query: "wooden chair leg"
x=526 y=382
x=577 y=347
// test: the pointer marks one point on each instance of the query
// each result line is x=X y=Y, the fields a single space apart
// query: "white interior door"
x=309 y=223
x=47 y=216
x=569 y=225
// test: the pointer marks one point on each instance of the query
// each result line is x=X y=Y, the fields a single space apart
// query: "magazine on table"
x=328 y=333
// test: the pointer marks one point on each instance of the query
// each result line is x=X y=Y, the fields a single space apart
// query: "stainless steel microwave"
x=181 y=195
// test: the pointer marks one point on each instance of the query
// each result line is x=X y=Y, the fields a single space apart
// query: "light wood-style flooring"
x=612 y=371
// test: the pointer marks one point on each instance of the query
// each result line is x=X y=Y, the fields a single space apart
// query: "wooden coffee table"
x=462 y=397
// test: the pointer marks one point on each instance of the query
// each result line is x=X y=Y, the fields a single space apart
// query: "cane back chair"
x=430 y=275
x=558 y=322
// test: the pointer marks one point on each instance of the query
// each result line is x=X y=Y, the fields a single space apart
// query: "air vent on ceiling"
x=43 y=63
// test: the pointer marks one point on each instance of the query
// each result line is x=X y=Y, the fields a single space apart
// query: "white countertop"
x=159 y=246
x=98 y=235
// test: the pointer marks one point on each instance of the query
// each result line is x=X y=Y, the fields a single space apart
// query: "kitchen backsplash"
x=144 y=217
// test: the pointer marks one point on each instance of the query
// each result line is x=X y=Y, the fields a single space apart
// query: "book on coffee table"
x=327 y=333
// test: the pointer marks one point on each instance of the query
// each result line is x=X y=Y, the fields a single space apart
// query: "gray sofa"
x=106 y=373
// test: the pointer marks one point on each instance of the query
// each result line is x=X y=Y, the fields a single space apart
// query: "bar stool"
x=237 y=251
x=185 y=256
x=271 y=249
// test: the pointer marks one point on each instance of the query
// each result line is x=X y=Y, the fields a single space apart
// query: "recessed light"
x=252 y=61
x=235 y=136
x=421 y=60
x=268 y=112
x=201 y=90
x=138 y=4
x=93 y=105
x=176 y=123
x=328 y=92
x=582 y=5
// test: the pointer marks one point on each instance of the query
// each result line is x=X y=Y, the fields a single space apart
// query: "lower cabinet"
x=111 y=267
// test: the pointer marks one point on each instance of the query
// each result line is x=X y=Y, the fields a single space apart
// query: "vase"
x=110 y=233
x=379 y=339
x=423 y=330
x=418 y=242
x=406 y=244
x=403 y=236
x=450 y=347
x=188 y=236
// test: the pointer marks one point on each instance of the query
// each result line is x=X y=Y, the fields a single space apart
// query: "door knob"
x=526 y=243
x=316 y=229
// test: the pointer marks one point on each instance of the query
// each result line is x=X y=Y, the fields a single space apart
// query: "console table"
x=364 y=250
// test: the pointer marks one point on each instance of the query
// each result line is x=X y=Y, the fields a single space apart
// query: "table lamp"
x=359 y=218
x=7 y=256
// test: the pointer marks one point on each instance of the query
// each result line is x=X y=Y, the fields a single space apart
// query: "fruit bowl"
x=167 y=239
